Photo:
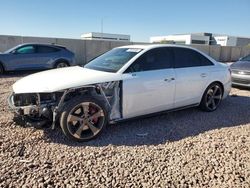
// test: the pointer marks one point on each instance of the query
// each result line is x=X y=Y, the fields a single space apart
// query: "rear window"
x=185 y=57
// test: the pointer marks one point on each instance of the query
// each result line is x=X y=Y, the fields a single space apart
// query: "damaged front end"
x=34 y=107
x=46 y=107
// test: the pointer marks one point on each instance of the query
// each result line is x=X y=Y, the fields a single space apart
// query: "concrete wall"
x=7 y=42
x=214 y=52
x=225 y=54
x=235 y=53
x=86 y=50
x=242 y=41
x=203 y=48
x=245 y=51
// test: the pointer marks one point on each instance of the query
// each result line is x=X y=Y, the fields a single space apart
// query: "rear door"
x=149 y=83
x=192 y=71
x=46 y=56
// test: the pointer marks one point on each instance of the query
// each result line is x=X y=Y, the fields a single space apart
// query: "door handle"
x=203 y=75
x=169 y=79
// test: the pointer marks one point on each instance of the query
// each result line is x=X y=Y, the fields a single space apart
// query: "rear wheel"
x=212 y=97
x=61 y=64
x=83 y=118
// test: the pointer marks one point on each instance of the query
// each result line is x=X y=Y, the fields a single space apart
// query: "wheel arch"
x=61 y=60
x=218 y=82
x=99 y=92
x=209 y=84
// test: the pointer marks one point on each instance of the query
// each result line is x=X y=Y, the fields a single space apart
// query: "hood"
x=241 y=65
x=63 y=78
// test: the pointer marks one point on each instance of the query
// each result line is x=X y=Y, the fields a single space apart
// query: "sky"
x=140 y=19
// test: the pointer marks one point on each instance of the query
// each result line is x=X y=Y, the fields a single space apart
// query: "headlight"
x=25 y=99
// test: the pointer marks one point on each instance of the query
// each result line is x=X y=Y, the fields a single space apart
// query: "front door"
x=149 y=84
x=23 y=58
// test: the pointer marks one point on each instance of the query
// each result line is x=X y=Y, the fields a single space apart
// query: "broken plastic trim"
x=111 y=92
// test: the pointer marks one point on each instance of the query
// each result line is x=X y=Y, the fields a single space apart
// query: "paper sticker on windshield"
x=136 y=50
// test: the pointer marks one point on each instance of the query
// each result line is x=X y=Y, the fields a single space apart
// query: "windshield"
x=113 y=60
x=247 y=58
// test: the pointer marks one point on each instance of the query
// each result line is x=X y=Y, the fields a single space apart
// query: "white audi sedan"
x=123 y=83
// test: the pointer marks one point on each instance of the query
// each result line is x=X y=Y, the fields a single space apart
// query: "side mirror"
x=13 y=52
x=240 y=58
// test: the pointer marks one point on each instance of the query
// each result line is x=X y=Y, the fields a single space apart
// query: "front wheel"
x=83 y=118
x=212 y=97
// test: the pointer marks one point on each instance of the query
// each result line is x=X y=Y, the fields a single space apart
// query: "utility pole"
x=102 y=28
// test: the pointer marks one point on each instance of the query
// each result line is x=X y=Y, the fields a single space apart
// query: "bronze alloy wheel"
x=83 y=119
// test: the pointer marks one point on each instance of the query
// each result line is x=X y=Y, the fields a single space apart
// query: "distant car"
x=241 y=72
x=124 y=83
x=35 y=56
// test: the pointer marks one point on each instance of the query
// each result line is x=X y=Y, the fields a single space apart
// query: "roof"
x=46 y=44
x=150 y=46
x=43 y=44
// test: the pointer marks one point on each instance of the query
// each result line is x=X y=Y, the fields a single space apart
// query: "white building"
x=202 y=38
x=231 y=40
x=105 y=36
x=181 y=39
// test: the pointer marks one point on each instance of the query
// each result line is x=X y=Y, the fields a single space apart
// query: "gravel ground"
x=188 y=148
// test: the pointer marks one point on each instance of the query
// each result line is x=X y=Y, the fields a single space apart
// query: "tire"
x=61 y=64
x=212 y=97
x=1 y=69
x=83 y=118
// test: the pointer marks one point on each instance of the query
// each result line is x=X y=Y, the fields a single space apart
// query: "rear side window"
x=46 y=49
x=185 y=57
x=155 y=59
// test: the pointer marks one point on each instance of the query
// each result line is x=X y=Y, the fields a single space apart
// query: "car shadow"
x=174 y=126
x=22 y=73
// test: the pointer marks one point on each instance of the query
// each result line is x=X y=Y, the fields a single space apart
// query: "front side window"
x=112 y=60
x=26 y=50
x=185 y=57
x=155 y=59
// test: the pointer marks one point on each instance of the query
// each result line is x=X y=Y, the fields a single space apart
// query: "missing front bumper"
x=22 y=110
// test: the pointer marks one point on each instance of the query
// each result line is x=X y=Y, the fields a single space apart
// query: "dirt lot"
x=189 y=148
